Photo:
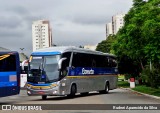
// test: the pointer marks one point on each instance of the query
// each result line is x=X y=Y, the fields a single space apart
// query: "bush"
x=151 y=77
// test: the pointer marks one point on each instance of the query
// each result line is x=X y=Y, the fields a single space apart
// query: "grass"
x=147 y=90
x=124 y=84
x=140 y=88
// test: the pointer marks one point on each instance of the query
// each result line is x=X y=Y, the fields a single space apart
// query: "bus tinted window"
x=82 y=60
x=7 y=63
x=93 y=60
x=112 y=62
x=66 y=62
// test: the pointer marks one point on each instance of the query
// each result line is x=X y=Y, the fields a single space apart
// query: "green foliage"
x=139 y=39
x=124 y=84
x=147 y=90
x=105 y=45
x=151 y=77
x=138 y=42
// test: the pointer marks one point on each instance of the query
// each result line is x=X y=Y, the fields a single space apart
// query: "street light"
x=21 y=49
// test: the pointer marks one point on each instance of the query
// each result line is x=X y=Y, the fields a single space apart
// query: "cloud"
x=73 y=22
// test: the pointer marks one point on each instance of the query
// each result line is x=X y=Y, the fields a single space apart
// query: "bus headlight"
x=28 y=92
x=55 y=92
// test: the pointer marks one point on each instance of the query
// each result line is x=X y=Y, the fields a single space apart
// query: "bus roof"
x=63 y=49
x=8 y=52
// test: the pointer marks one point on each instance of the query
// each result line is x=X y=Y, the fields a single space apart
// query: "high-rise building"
x=117 y=22
x=109 y=29
x=115 y=25
x=41 y=34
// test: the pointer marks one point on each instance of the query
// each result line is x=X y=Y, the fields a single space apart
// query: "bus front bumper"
x=33 y=92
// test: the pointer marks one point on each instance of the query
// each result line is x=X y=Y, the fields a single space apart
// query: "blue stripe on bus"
x=4 y=79
x=5 y=84
x=46 y=53
x=80 y=71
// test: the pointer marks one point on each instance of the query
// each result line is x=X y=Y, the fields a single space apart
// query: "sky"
x=73 y=22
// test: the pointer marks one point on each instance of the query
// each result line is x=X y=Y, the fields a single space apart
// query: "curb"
x=151 y=96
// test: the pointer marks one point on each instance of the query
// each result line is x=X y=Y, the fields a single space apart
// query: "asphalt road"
x=117 y=96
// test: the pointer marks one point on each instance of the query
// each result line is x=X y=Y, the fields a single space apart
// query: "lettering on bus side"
x=89 y=72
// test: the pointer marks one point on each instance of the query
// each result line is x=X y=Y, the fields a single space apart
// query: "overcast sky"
x=73 y=22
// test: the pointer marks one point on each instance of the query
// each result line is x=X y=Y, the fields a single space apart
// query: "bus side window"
x=65 y=63
x=82 y=60
x=112 y=62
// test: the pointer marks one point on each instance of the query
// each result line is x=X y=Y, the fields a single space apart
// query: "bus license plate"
x=40 y=92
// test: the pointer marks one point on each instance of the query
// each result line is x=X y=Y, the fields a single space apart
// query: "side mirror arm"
x=60 y=63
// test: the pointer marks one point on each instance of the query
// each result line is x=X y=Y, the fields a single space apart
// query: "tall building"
x=41 y=34
x=117 y=22
x=115 y=25
x=109 y=29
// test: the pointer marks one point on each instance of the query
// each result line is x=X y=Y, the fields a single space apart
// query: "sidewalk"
x=151 y=96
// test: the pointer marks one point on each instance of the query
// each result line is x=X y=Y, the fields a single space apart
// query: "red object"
x=40 y=92
x=132 y=80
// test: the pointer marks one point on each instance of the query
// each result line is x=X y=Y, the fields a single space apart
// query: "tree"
x=139 y=39
x=105 y=45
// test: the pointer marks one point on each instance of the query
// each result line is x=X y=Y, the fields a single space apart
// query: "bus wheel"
x=85 y=93
x=73 y=91
x=106 y=89
x=44 y=97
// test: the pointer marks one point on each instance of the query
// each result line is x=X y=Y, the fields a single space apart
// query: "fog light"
x=28 y=92
x=54 y=92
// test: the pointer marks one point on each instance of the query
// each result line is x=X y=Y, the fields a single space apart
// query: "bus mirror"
x=24 y=63
x=60 y=62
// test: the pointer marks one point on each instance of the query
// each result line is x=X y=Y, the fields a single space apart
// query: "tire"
x=72 y=91
x=44 y=97
x=106 y=90
x=85 y=93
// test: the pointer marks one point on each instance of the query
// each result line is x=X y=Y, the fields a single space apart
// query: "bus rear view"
x=9 y=73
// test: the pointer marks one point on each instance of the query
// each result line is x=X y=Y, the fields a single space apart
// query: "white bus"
x=70 y=70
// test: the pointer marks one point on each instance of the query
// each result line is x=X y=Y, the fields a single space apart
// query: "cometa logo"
x=89 y=72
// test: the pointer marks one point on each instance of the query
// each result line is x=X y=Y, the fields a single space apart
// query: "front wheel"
x=72 y=91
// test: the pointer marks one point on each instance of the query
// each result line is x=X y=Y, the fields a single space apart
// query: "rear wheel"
x=106 y=89
x=44 y=97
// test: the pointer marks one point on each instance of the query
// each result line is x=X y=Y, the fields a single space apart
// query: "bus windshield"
x=43 y=69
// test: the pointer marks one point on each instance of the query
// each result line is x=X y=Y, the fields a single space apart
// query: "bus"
x=9 y=73
x=65 y=71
